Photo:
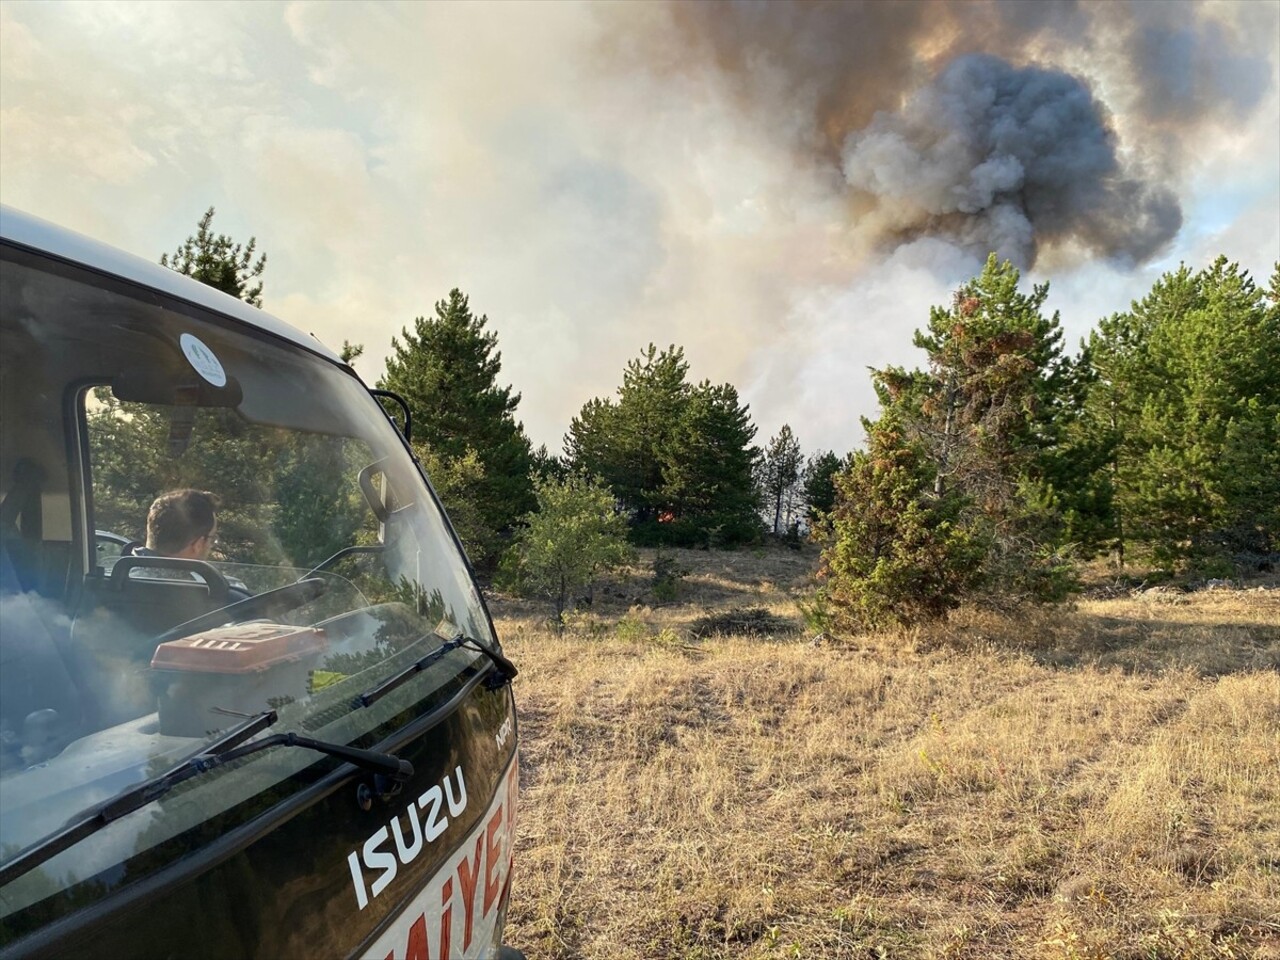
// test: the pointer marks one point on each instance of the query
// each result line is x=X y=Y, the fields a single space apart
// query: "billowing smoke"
x=1000 y=158
x=980 y=123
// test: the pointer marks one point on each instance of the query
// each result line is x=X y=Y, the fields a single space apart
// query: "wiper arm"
x=506 y=671
x=130 y=800
x=230 y=747
x=398 y=770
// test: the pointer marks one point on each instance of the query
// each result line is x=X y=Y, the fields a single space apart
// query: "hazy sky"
x=783 y=189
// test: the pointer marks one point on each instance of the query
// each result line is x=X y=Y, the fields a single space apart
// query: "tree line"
x=996 y=467
x=988 y=474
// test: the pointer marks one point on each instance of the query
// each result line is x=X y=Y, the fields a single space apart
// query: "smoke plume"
x=980 y=122
x=995 y=157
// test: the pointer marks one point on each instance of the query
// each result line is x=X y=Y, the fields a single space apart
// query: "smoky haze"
x=599 y=176
x=979 y=123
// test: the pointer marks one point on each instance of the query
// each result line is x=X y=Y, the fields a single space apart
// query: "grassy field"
x=702 y=778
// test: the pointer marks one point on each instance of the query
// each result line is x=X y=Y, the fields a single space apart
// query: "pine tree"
x=447 y=370
x=215 y=260
x=678 y=458
x=779 y=479
x=995 y=369
x=1079 y=467
x=819 y=484
x=1186 y=395
x=956 y=494
x=456 y=482
x=548 y=465
x=594 y=447
x=988 y=413
x=899 y=552
x=708 y=469
x=622 y=441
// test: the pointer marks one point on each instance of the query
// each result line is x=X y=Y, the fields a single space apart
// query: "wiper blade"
x=506 y=670
x=230 y=747
x=130 y=800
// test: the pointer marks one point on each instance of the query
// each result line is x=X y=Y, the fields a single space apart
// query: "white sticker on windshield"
x=203 y=360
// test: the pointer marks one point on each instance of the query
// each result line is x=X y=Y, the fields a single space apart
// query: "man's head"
x=183 y=523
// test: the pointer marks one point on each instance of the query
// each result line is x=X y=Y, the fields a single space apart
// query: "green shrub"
x=668 y=575
x=574 y=535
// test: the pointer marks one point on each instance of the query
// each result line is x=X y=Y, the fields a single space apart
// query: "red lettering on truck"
x=446 y=917
x=468 y=874
x=493 y=851
x=417 y=948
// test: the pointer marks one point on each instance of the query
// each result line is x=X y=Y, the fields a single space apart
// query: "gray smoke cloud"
x=1187 y=67
x=1000 y=158
x=981 y=122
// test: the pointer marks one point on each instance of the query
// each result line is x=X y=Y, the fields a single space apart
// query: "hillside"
x=1100 y=781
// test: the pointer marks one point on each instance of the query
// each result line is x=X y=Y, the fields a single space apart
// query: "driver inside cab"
x=182 y=524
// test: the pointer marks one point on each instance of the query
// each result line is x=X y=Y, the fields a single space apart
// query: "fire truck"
x=299 y=742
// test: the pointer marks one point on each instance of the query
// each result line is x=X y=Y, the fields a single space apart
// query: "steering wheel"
x=269 y=604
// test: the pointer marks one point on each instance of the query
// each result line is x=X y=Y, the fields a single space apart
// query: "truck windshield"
x=325 y=568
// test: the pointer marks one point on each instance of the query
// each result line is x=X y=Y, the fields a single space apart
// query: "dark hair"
x=178 y=517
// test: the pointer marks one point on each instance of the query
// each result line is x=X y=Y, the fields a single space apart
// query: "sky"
x=784 y=190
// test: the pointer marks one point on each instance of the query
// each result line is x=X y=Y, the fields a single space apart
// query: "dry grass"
x=1099 y=782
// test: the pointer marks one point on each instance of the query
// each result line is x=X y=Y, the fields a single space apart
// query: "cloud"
x=90 y=146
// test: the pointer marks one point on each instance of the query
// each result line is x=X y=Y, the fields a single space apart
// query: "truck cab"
x=302 y=742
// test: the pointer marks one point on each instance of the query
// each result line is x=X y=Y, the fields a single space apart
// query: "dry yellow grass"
x=1099 y=782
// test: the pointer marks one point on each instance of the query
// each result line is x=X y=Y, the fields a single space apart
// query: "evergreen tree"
x=673 y=455
x=547 y=465
x=1120 y=378
x=624 y=442
x=708 y=470
x=780 y=476
x=988 y=398
x=899 y=552
x=1186 y=397
x=447 y=369
x=988 y=412
x=215 y=260
x=1079 y=466
x=980 y=426
x=594 y=447
x=819 y=484
x=456 y=481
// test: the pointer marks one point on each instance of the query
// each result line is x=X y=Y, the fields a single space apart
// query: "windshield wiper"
x=505 y=673
x=229 y=747
x=506 y=670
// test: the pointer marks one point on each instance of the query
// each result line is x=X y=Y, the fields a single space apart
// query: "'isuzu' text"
x=426 y=822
